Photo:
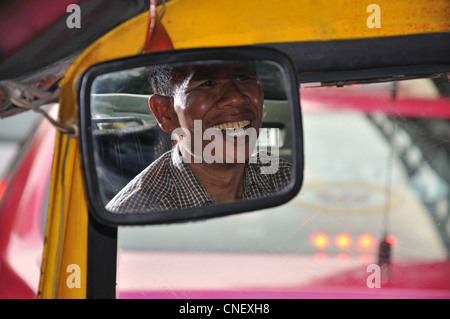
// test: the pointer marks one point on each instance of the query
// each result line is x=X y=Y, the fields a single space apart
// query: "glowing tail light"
x=343 y=241
x=320 y=240
x=365 y=241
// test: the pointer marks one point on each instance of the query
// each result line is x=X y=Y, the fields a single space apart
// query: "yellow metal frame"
x=203 y=23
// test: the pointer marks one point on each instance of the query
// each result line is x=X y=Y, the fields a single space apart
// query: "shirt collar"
x=194 y=194
x=188 y=190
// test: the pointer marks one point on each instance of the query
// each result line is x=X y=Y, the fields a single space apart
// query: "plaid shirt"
x=168 y=183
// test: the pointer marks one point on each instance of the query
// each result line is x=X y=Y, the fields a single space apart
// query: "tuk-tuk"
x=356 y=100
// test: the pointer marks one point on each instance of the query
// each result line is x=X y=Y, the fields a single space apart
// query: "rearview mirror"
x=190 y=134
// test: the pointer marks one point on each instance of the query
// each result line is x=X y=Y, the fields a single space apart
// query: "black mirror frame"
x=97 y=209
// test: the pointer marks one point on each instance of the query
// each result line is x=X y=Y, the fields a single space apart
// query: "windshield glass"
x=377 y=167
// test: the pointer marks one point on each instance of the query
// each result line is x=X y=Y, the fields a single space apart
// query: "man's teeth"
x=232 y=125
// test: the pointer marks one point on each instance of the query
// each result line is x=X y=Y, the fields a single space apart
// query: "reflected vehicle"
x=387 y=181
x=23 y=207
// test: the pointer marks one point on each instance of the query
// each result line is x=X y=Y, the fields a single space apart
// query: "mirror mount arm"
x=157 y=38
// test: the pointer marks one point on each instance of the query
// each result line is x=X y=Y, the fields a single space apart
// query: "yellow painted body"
x=204 y=23
x=66 y=240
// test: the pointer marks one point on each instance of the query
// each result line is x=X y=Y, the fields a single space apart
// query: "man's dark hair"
x=160 y=79
x=163 y=77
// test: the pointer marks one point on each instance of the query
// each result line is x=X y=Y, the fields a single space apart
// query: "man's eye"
x=208 y=83
x=244 y=77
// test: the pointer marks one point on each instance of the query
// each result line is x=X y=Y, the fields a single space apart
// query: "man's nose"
x=232 y=95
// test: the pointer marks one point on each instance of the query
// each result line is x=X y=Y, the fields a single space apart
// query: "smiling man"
x=214 y=111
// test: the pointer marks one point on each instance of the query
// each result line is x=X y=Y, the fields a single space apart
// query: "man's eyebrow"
x=203 y=73
x=213 y=73
x=245 y=67
x=248 y=71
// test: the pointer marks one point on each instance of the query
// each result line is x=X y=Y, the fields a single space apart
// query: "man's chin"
x=233 y=154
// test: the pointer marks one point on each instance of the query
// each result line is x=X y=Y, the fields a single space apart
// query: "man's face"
x=221 y=96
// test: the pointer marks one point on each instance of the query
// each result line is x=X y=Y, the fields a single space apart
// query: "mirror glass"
x=188 y=135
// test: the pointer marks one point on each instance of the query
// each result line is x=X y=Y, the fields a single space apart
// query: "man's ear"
x=162 y=108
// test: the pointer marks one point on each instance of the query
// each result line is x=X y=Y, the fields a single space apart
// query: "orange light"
x=320 y=240
x=365 y=241
x=343 y=241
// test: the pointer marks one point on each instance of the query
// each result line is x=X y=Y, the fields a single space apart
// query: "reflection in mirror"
x=190 y=135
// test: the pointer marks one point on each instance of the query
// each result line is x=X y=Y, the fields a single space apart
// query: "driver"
x=214 y=112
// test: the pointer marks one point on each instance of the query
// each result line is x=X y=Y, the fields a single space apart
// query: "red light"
x=390 y=239
x=2 y=188
x=320 y=240
x=343 y=241
x=365 y=241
